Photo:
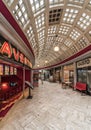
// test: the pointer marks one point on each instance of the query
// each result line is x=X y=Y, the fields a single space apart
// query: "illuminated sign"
x=11 y=52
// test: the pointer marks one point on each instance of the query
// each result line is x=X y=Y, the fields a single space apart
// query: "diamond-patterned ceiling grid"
x=50 y=23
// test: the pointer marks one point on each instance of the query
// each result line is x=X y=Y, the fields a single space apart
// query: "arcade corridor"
x=51 y=108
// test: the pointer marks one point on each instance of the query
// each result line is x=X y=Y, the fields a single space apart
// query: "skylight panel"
x=70 y=15
x=39 y=21
x=74 y=34
x=77 y=1
x=30 y=32
x=55 y=16
x=64 y=29
x=16 y=7
x=33 y=42
x=89 y=3
x=20 y=13
x=53 y=2
x=37 y=5
x=26 y=16
x=82 y=43
x=59 y=38
x=84 y=21
x=49 y=39
x=68 y=42
x=64 y=48
x=52 y=29
x=90 y=32
x=41 y=34
x=73 y=49
x=9 y=2
x=20 y=2
x=23 y=8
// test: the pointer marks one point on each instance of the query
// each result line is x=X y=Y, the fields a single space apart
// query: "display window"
x=11 y=70
x=15 y=71
x=1 y=69
x=6 y=70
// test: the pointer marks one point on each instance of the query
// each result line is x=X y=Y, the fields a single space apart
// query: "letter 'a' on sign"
x=6 y=49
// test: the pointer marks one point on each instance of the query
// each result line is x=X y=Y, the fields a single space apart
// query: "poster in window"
x=1 y=69
x=15 y=71
x=6 y=70
x=11 y=70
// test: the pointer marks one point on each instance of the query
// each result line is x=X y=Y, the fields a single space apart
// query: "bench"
x=81 y=87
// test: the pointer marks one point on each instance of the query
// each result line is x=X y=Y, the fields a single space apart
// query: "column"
x=75 y=75
x=31 y=73
x=23 y=80
x=62 y=71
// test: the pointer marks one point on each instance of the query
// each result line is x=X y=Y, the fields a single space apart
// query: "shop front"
x=84 y=72
x=13 y=65
x=15 y=69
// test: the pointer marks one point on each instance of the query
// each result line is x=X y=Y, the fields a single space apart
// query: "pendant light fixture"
x=56 y=48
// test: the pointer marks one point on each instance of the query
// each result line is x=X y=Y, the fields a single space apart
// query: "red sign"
x=9 y=51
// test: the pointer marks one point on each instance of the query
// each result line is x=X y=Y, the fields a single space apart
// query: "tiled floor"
x=52 y=108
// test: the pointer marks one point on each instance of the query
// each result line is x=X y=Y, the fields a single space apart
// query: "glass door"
x=82 y=75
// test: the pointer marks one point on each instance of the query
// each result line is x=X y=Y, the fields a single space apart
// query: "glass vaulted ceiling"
x=50 y=23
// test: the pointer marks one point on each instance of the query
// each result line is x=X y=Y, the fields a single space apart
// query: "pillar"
x=75 y=75
x=23 y=80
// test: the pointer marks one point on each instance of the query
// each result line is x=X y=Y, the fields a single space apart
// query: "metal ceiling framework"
x=50 y=23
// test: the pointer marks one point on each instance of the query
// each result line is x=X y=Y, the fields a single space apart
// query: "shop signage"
x=11 y=52
x=84 y=63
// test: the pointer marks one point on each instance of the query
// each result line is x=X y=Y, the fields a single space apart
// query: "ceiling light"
x=46 y=61
x=56 y=48
x=38 y=65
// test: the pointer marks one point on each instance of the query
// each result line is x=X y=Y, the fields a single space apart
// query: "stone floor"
x=52 y=108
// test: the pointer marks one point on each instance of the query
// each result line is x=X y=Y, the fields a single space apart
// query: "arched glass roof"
x=50 y=23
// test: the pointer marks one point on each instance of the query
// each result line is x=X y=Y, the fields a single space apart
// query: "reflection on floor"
x=5 y=106
x=52 y=108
